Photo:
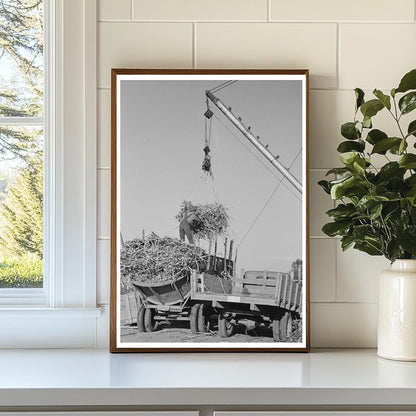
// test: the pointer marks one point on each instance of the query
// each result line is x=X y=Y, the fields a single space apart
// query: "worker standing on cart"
x=185 y=226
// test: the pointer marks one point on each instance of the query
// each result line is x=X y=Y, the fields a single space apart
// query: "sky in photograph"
x=162 y=140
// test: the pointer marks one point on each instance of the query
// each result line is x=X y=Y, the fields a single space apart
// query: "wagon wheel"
x=286 y=325
x=150 y=323
x=225 y=327
x=193 y=318
x=140 y=319
x=203 y=322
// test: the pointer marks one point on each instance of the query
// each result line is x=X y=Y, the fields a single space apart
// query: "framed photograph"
x=209 y=210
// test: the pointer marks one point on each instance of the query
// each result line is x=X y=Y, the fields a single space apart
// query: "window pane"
x=21 y=58
x=21 y=207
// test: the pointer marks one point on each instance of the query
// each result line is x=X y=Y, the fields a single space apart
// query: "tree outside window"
x=21 y=143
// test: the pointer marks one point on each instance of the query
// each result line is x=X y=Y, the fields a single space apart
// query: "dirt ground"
x=180 y=332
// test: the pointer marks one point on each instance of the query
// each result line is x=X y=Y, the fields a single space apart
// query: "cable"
x=267 y=202
x=221 y=86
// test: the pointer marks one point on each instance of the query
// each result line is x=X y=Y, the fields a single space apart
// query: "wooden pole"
x=215 y=254
x=235 y=262
x=225 y=255
x=209 y=254
x=230 y=255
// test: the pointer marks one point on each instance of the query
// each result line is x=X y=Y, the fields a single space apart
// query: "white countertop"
x=96 y=377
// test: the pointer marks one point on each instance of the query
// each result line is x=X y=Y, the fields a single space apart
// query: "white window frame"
x=64 y=313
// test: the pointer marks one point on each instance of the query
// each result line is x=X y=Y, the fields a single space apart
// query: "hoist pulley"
x=206 y=163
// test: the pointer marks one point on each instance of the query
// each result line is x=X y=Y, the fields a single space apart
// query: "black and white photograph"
x=209 y=243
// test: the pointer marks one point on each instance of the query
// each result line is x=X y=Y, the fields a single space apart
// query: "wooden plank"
x=256 y=282
x=283 y=302
x=209 y=254
x=157 y=295
x=295 y=299
x=225 y=256
x=193 y=282
x=235 y=263
x=279 y=290
x=289 y=297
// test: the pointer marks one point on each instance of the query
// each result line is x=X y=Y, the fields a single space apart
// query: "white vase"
x=397 y=312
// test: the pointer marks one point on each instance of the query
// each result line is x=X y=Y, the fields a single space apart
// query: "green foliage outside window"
x=21 y=147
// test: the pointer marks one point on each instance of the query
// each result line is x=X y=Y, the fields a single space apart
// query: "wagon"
x=208 y=301
x=162 y=302
x=270 y=299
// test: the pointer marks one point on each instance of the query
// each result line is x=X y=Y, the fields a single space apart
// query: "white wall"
x=344 y=43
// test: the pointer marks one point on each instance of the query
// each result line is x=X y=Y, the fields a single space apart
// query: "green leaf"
x=385 y=99
x=338 y=171
x=368 y=248
x=360 y=231
x=359 y=95
x=411 y=130
x=407 y=240
x=383 y=145
x=391 y=170
x=399 y=148
x=402 y=147
x=367 y=122
x=339 y=188
x=371 y=108
x=375 y=212
x=375 y=136
x=325 y=186
x=349 y=146
x=336 y=228
x=342 y=211
x=349 y=158
x=408 y=82
x=350 y=131
x=346 y=242
x=408 y=161
x=408 y=102
x=369 y=201
x=393 y=250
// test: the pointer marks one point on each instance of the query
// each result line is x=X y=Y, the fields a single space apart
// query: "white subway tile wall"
x=345 y=44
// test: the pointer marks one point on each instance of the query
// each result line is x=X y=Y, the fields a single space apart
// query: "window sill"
x=40 y=327
x=322 y=379
x=39 y=311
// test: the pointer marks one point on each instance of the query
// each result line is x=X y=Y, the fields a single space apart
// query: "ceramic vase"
x=397 y=312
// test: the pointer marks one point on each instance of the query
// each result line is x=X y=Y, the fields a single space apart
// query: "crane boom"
x=254 y=141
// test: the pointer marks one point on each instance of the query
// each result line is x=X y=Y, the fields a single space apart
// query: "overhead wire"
x=267 y=202
x=221 y=86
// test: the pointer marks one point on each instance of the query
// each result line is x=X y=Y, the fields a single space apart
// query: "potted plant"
x=376 y=206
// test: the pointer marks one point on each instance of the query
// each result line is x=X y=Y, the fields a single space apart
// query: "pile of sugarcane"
x=159 y=259
x=210 y=219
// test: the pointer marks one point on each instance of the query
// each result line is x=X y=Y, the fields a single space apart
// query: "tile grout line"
x=194 y=63
x=269 y=10
x=308 y=22
x=131 y=9
x=338 y=64
x=336 y=271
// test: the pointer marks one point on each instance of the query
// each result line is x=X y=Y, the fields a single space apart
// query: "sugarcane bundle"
x=210 y=219
x=159 y=259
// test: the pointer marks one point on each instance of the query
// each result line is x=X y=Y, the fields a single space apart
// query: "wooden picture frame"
x=182 y=135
